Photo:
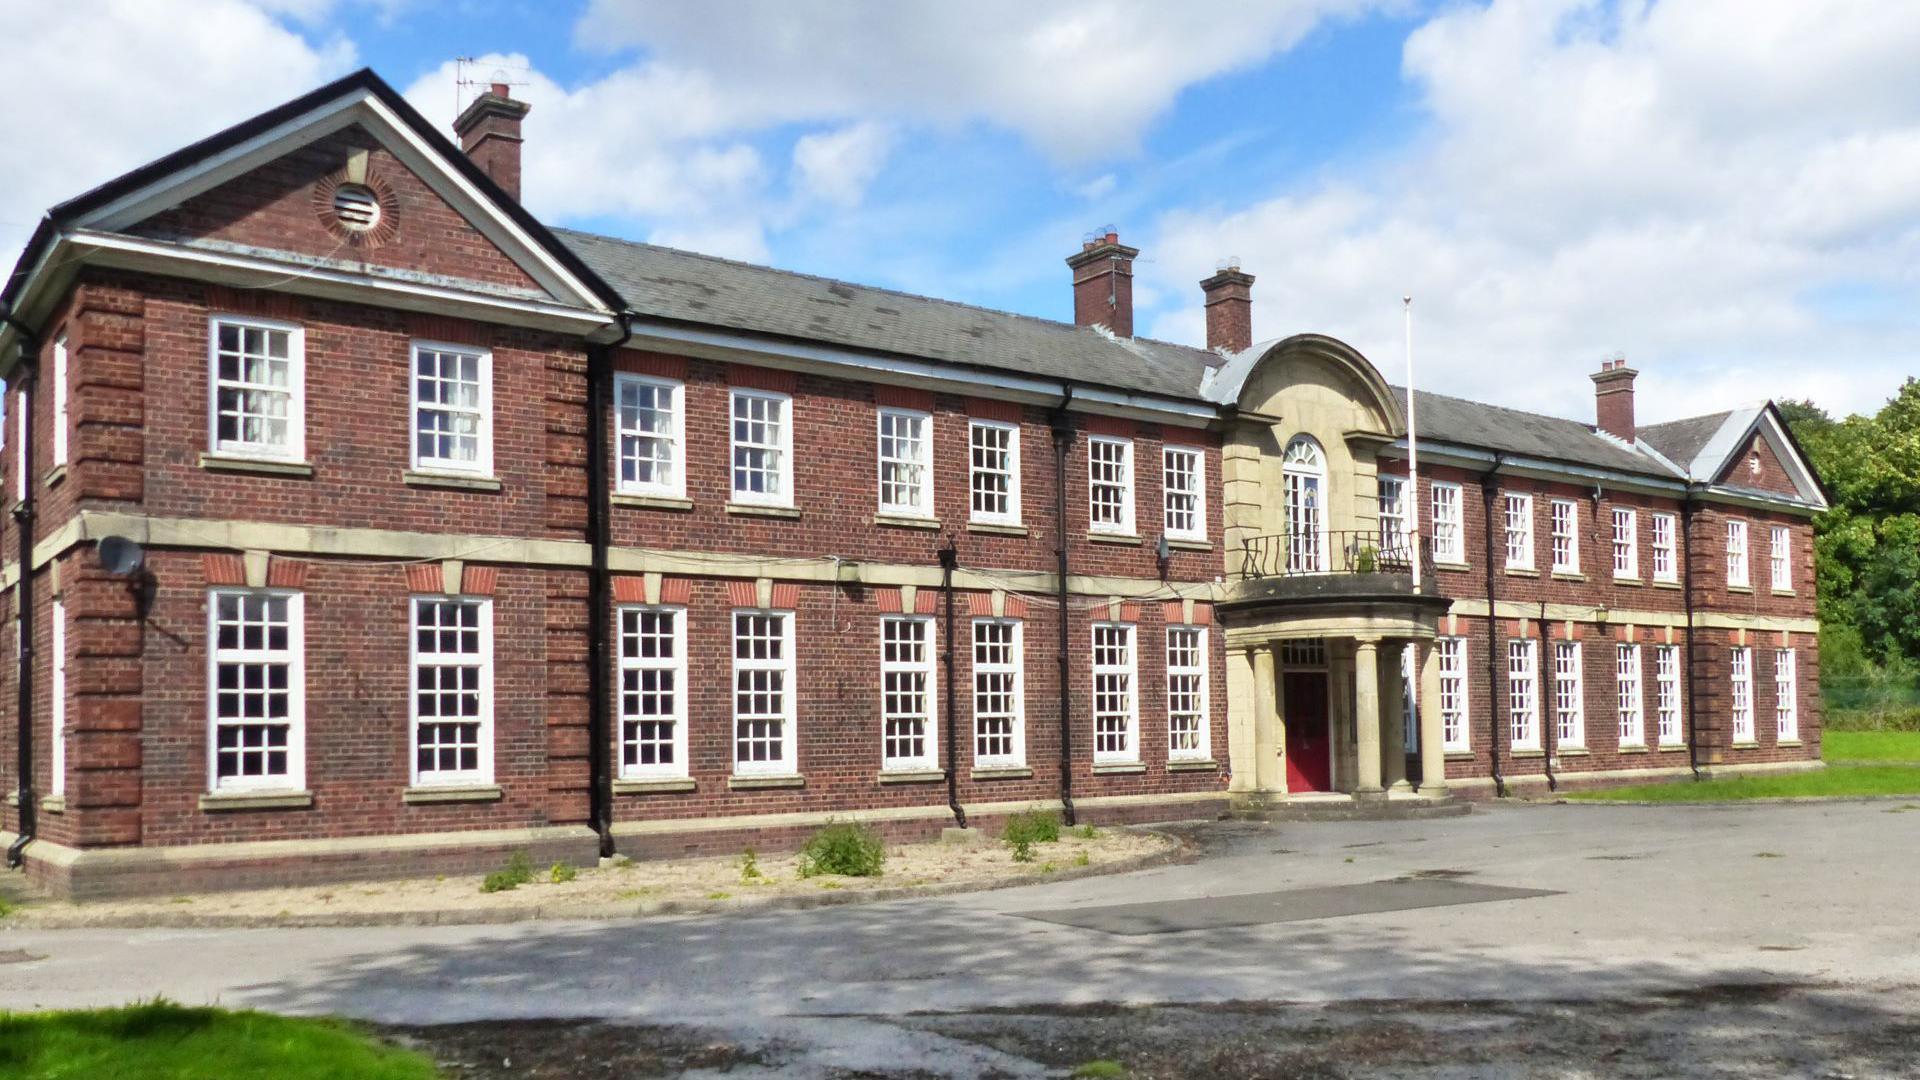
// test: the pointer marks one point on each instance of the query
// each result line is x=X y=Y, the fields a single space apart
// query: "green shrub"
x=562 y=873
x=843 y=849
x=1034 y=826
x=517 y=872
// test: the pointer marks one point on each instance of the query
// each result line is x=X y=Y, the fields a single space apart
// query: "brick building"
x=360 y=524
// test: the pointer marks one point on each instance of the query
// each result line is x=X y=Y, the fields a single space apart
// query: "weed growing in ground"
x=517 y=872
x=843 y=849
x=718 y=895
x=1022 y=849
x=1100 y=1070
x=1035 y=826
x=750 y=868
x=1081 y=859
x=1085 y=832
x=561 y=873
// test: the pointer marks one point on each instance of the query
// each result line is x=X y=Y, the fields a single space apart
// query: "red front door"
x=1309 y=738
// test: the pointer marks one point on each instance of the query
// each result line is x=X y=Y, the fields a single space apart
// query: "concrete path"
x=1617 y=902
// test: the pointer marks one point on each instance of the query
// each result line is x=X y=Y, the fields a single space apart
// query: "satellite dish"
x=119 y=555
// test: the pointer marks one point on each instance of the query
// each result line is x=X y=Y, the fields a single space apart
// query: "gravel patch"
x=654 y=887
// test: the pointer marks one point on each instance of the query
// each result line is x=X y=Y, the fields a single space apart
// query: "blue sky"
x=1722 y=190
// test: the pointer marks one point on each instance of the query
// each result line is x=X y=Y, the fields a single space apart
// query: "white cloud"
x=1082 y=80
x=837 y=166
x=1674 y=181
x=134 y=80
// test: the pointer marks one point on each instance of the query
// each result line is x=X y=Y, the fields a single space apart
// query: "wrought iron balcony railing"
x=1352 y=551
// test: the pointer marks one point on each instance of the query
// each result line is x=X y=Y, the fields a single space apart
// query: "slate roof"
x=1492 y=427
x=682 y=285
x=1682 y=440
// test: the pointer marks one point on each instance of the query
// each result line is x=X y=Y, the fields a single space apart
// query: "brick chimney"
x=1613 y=398
x=489 y=132
x=1229 y=309
x=1103 y=284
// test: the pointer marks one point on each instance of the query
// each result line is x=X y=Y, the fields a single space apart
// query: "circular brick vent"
x=357 y=207
x=358 y=214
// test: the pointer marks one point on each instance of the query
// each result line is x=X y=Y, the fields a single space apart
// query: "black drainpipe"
x=949 y=558
x=1062 y=443
x=23 y=589
x=1489 y=487
x=599 y=589
x=1545 y=678
x=1686 y=592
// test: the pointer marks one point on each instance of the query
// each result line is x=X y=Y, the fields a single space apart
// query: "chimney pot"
x=489 y=132
x=1229 y=310
x=1613 y=399
x=1103 y=284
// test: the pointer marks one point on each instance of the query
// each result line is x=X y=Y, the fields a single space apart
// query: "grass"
x=1102 y=1069
x=1833 y=781
x=164 y=1041
x=1870 y=746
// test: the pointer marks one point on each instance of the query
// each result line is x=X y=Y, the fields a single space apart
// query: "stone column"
x=1393 y=720
x=1270 y=733
x=1366 y=705
x=1243 y=721
x=1433 y=756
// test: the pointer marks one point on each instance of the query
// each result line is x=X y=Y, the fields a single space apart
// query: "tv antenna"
x=468 y=73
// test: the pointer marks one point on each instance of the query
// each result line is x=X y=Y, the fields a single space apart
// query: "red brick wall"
x=274 y=208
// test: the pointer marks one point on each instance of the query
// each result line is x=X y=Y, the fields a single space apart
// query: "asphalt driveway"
x=1768 y=911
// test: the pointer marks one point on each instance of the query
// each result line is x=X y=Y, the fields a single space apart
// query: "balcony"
x=1340 y=567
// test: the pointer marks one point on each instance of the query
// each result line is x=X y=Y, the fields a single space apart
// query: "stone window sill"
x=1119 y=767
x=903 y=521
x=1521 y=755
x=1002 y=772
x=652 y=502
x=416 y=796
x=57 y=804
x=1126 y=539
x=1672 y=748
x=1523 y=571
x=54 y=476
x=1195 y=765
x=1189 y=545
x=1746 y=746
x=1789 y=743
x=1784 y=592
x=264 y=466
x=757 y=510
x=1743 y=589
x=1570 y=751
x=911 y=776
x=1633 y=749
x=654 y=785
x=1458 y=567
x=755 y=783
x=256 y=800
x=1458 y=755
x=1632 y=581
x=457 y=481
x=994 y=529
x=1568 y=575
x=1666 y=585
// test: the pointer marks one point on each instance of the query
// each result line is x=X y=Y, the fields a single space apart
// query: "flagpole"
x=1412 y=515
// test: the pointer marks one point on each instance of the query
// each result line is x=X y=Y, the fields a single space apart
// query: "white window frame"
x=1454 y=722
x=785 y=764
x=1011 y=472
x=1523 y=693
x=60 y=410
x=294 y=656
x=674 y=484
x=1390 y=502
x=1448 y=543
x=782 y=448
x=482 y=463
x=921 y=485
x=929 y=756
x=1786 y=696
x=1629 y=703
x=1196 y=477
x=1626 y=543
x=1740 y=676
x=1667 y=714
x=1569 y=697
x=1780 y=555
x=1202 y=749
x=1124 y=486
x=1015 y=669
x=674 y=668
x=58 y=692
x=295 y=448
x=1517 y=508
x=1565 y=515
x=1666 y=565
x=1409 y=719
x=482 y=773
x=1738 y=576
x=1130 y=672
